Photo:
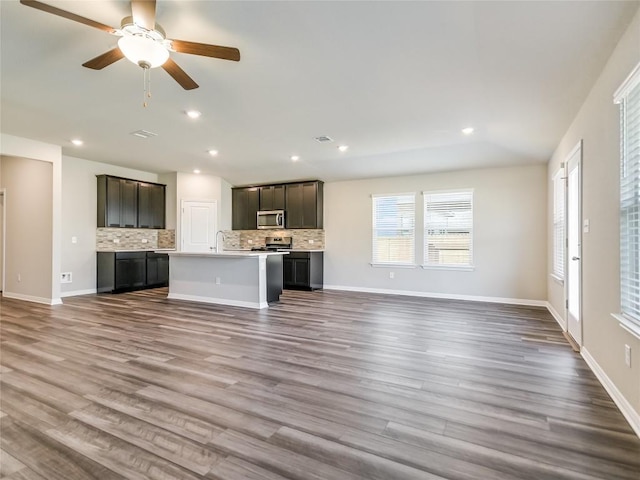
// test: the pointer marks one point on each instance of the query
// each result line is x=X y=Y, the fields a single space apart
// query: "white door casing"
x=574 y=245
x=198 y=226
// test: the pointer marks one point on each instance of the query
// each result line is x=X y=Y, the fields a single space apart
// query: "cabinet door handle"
x=575 y=258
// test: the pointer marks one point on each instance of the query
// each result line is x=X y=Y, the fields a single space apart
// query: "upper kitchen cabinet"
x=151 y=205
x=245 y=203
x=272 y=197
x=117 y=202
x=304 y=204
x=128 y=203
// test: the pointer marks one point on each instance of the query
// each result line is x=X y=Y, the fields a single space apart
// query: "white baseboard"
x=448 y=296
x=554 y=313
x=217 y=301
x=76 y=293
x=31 y=298
x=625 y=407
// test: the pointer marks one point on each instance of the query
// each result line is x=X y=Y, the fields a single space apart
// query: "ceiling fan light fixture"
x=143 y=51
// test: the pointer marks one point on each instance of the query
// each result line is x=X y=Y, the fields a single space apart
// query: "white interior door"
x=574 y=247
x=198 y=230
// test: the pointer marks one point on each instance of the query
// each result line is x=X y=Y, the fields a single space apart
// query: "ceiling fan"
x=143 y=41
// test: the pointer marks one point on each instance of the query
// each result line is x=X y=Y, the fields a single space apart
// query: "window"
x=628 y=96
x=394 y=229
x=558 y=225
x=448 y=228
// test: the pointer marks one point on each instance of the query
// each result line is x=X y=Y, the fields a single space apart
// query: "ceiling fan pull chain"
x=144 y=87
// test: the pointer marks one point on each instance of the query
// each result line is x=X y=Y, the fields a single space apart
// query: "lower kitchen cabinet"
x=303 y=270
x=126 y=271
x=157 y=269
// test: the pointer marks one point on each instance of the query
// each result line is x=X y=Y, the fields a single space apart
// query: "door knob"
x=575 y=258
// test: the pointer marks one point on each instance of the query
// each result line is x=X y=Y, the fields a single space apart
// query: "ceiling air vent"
x=143 y=134
x=323 y=139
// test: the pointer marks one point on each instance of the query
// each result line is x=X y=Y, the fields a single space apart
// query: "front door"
x=198 y=226
x=574 y=246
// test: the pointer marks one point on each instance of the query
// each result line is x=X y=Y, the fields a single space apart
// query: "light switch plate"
x=586 y=225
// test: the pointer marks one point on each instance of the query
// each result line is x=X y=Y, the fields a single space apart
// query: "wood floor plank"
x=322 y=385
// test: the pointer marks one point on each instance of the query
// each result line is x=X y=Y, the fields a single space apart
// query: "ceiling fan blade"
x=68 y=15
x=104 y=60
x=215 y=51
x=179 y=75
x=144 y=13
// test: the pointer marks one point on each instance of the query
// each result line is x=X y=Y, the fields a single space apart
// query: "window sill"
x=557 y=279
x=462 y=268
x=394 y=265
x=629 y=325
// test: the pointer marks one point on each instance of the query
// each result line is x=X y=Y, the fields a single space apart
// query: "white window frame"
x=629 y=316
x=376 y=229
x=426 y=196
x=559 y=225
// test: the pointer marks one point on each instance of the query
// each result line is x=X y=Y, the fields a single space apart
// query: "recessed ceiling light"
x=467 y=131
x=213 y=153
x=196 y=171
x=295 y=158
x=343 y=148
x=77 y=142
x=193 y=113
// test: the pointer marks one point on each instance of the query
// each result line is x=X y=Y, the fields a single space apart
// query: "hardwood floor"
x=324 y=385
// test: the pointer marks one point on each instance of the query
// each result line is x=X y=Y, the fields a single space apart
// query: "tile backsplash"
x=245 y=239
x=134 y=239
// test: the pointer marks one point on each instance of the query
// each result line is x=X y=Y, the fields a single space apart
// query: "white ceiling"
x=396 y=81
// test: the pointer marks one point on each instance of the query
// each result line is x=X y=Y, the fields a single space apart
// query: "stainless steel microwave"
x=270 y=219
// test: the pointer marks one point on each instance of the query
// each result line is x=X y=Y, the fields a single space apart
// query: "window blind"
x=448 y=228
x=558 y=224
x=394 y=229
x=628 y=96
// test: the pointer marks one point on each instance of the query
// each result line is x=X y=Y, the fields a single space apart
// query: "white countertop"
x=227 y=254
x=134 y=250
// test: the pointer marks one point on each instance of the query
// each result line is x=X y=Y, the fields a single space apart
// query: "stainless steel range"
x=275 y=244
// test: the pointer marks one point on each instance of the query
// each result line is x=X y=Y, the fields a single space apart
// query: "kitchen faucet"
x=218 y=245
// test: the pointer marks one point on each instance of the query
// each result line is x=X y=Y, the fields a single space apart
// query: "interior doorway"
x=2 y=242
x=574 y=244
x=198 y=226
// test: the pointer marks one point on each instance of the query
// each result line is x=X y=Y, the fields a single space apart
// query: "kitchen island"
x=238 y=278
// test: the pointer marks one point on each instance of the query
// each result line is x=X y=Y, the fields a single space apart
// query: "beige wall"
x=509 y=235
x=79 y=209
x=19 y=147
x=597 y=124
x=28 y=265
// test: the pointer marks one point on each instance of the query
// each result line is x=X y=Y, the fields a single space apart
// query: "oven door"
x=270 y=219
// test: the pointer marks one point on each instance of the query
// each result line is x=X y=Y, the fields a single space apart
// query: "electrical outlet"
x=144 y=240
x=627 y=355
x=65 y=277
x=116 y=240
x=392 y=275
x=310 y=241
x=74 y=239
x=218 y=281
x=249 y=241
x=19 y=277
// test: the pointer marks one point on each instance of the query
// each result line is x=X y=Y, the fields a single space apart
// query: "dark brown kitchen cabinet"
x=272 y=197
x=304 y=205
x=151 y=205
x=303 y=270
x=126 y=271
x=117 y=202
x=127 y=203
x=245 y=203
x=157 y=269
